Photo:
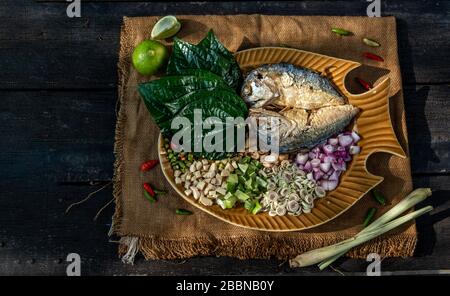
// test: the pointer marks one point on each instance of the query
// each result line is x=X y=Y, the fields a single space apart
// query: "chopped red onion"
x=329 y=159
x=317 y=175
x=355 y=137
x=345 y=140
x=301 y=158
x=307 y=166
x=313 y=155
x=354 y=150
x=325 y=162
x=339 y=165
x=316 y=149
x=329 y=185
x=334 y=176
x=325 y=167
x=315 y=162
x=333 y=141
x=328 y=149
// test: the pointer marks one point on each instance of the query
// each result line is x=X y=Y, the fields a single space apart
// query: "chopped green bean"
x=183 y=212
x=379 y=197
x=369 y=216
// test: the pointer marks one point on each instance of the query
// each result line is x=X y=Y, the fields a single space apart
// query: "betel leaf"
x=158 y=93
x=224 y=102
x=209 y=54
x=221 y=104
x=210 y=42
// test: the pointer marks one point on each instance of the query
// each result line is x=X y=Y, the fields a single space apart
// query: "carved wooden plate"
x=373 y=124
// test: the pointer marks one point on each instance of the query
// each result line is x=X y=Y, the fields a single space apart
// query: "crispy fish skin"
x=299 y=128
x=286 y=85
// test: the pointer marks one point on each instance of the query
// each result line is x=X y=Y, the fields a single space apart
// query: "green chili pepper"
x=341 y=31
x=379 y=197
x=369 y=217
x=183 y=212
x=149 y=197
x=371 y=42
x=159 y=191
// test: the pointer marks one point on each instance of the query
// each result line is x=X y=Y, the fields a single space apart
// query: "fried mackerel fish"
x=310 y=109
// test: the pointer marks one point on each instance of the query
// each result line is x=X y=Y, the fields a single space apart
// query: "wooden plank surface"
x=58 y=90
x=82 y=52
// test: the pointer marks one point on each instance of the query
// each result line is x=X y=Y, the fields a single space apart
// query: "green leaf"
x=159 y=94
x=210 y=42
x=216 y=103
x=209 y=54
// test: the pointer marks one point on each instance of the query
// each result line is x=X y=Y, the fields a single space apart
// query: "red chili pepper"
x=373 y=56
x=149 y=189
x=363 y=83
x=148 y=165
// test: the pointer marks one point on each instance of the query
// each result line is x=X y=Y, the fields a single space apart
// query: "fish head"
x=260 y=88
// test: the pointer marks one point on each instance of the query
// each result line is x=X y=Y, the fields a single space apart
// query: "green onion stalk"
x=327 y=255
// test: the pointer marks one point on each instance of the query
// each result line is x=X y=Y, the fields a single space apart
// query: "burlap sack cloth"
x=155 y=230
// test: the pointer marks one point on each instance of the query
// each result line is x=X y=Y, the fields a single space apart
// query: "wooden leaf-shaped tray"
x=373 y=124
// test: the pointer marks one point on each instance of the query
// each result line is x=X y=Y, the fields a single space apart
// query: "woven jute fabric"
x=155 y=230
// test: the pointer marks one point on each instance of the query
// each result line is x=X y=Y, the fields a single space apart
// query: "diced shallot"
x=345 y=140
x=301 y=158
x=355 y=137
x=317 y=175
x=325 y=167
x=326 y=161
x=334 y=176
x=315 y=162
x=354 y=150
x=329 y=159
x=333 y=141
x=339 y=165
x=328 y=185
x=328 y=149
x=308 y=166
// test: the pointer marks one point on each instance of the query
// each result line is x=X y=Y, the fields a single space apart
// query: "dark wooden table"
x=58 y=96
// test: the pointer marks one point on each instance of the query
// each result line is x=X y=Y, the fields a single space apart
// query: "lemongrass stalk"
x=415 y=197
x=408 y=202
x=318 y=255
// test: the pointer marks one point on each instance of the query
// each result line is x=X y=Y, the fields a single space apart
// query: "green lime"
x=149 y=56
x=166 y=27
